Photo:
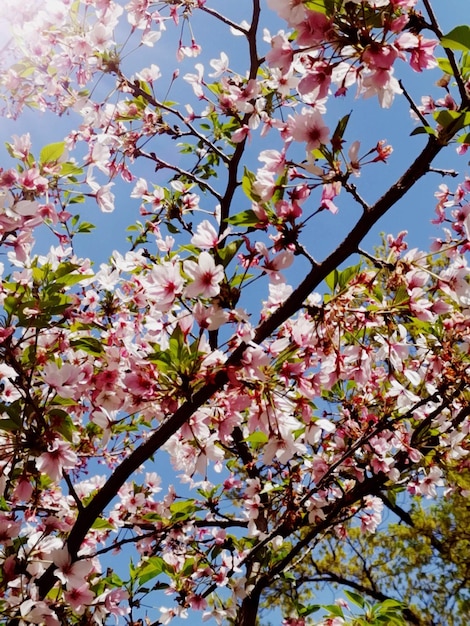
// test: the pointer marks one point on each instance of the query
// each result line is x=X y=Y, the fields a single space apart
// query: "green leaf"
x=237 y=279
x=86 y=227
x=248 y=181
x=70 y=169
x=355 y=598
x=227 y=253
x=337 y=138
x=153 y=567
x=326 y=7
x=345 y=276
x=258 y=437
x=458 y=119
x=280 y=188
x=332 y=279
x=80 y=199
x=334 y=609
x=62 y=423
x=423 y=130
x=245 y=218
x=401 y=296
x=102 y=524
x=52 y=152
x=444 y=65
x=308 y=610
x=8 y=425
x=183 y=510
x=172 y=228
x=386 y=605
x=457 y=39
x=90 y=345
x=67 y=275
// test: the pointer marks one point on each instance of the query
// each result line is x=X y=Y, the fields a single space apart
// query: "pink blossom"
x=427 y=486
x=205 y=275
x=9 y=529
x=149 y=74
x=293 y=621
x=37 y=612
x=196 y=80
x=66 y=379
x=113 y=599
x=281 y=54
x=140 y=383
x=241 y=134
x=314 y=30
x=264 y=185
x=206 y=236
x=79 y=598
x=309 y=127
x=21 y=146
x=292 y=11
x=274 y=266
x=274 y=160
x=33 y=180
x=211 y=317
x=71 y=574
x=381 y=83
x=329 y=192
x=421 y=49
x=59 y=457
x=380 y=56
x=104 y=197
x=165 y=284
x=220 y=65
x=317 y=81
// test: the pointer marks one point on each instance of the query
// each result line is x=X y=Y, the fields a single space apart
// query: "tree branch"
x=450 y=55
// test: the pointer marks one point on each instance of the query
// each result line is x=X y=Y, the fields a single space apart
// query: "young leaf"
x=457 y=39
x=355 y=598
x=52 y=152
x=245 y=218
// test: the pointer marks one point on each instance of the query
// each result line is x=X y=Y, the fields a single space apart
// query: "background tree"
x=291 y=417
x=420 y=561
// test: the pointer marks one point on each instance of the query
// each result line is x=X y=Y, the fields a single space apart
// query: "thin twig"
x=452 y=173
x=138 y=91
x=224 y=19
x=350 y=188
x=164 y=164
x=379 y=263
x=72 y=492
x=300 y=249
x=413 y=105
x=450 y=55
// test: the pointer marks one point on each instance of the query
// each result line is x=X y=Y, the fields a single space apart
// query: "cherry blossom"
x=205 y=275
x=59 y=457
x=310 y=128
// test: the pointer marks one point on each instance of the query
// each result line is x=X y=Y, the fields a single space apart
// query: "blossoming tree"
x=296 y=391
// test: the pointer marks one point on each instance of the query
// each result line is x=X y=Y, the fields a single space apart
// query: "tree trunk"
x=249 y=610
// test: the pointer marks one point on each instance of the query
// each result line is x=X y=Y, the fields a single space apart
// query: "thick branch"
x=351 y=242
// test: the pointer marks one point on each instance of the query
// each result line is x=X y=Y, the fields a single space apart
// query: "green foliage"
x=457 y=39
x=404 y=574
x=52 y=152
